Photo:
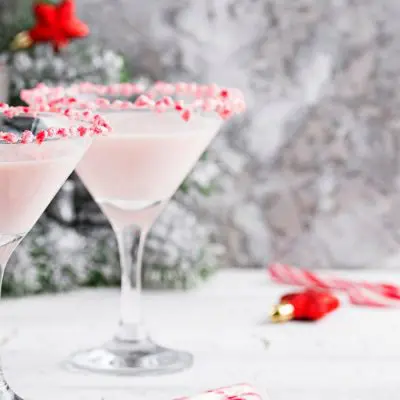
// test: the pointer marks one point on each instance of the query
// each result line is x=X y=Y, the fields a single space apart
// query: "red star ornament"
x=57 y=24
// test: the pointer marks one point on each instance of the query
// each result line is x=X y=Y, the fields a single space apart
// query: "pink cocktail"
x=140 y=166
x=38 y=151
x=157 y=139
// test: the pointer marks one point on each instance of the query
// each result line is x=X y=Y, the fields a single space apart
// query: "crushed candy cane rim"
x=87 y=124
x=224 y=102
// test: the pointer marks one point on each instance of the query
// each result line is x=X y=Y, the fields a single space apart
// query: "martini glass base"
x=140 y=358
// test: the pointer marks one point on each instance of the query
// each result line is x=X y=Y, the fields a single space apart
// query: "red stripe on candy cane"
x=368 y=298
x=236 y=392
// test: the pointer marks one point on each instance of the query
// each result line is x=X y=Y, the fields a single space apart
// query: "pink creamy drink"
x=38 y=151
x=30 y=176
x=142 y=163
x=158 y=134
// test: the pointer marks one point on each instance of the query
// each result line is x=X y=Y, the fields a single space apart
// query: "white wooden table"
x=352 y=355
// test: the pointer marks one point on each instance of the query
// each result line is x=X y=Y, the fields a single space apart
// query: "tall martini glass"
x=158 y=136
x=38 y=151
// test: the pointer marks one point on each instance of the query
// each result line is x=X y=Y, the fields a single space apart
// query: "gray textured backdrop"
x=310 y=174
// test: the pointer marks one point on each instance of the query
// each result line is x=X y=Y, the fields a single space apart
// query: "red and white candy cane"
x=359 y=293
x=235 y=392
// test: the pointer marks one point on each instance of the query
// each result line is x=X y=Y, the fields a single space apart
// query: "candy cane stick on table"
x=236 y=392
x=359 y=293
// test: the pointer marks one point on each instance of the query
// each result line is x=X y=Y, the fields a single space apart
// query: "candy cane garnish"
x=235 y=392
x=359 y=293
x=210 y=98
x=96 y=125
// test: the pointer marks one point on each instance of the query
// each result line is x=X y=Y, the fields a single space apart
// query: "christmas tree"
x=72 y=244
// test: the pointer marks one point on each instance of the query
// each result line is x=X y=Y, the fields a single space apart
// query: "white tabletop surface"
x=352 y=355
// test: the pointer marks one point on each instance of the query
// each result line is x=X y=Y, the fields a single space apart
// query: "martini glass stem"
x=6 y=250
x=5 y=391
x=131 y=242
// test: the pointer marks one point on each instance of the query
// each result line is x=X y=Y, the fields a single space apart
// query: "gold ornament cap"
x=21 y=41
x=282 y=312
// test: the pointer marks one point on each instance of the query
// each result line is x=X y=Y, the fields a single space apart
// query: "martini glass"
x=38 y=151
x=158 y=136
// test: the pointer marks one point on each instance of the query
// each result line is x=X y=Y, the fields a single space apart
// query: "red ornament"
x=310 y=305
x=57 y=24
